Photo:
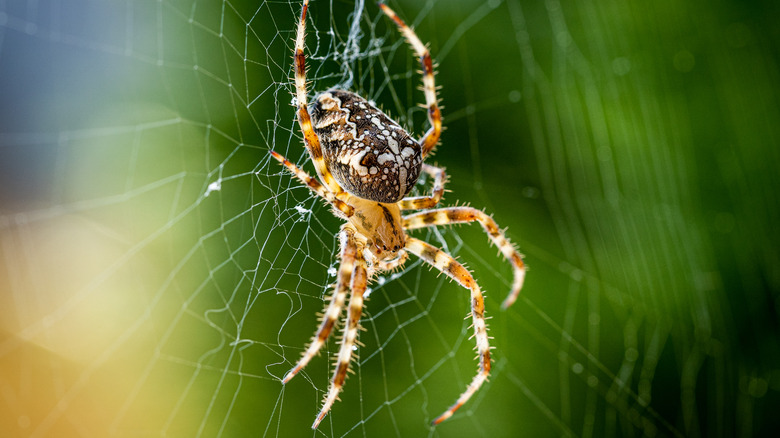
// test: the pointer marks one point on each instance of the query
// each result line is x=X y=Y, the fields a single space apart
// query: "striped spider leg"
x=333 y=310
x=315 y=186
x=344 y=358
x=310 y=137
x=420 y=202
x=431 y=138
x=352 y=275
x=348 y=257
x=455 y=215
x=450 y=267
x=446 y=264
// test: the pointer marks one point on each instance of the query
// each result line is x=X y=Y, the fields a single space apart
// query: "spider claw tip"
x=318 y=420
x=507 y=302
x=441 y=418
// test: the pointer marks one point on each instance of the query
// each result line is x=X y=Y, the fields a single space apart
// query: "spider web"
x=160 y=274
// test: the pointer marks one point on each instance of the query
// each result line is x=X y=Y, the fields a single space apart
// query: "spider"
x=366 y=164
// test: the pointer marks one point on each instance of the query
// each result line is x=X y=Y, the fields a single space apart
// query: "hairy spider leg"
x=450 y=267
x=314 y=185
x=333 y=310
x=431 y=138
x=454 y=215
x=359 y=283
x=304 y=119
x=420 y=202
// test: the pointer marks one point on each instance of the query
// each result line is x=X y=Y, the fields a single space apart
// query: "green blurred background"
x=160 y=274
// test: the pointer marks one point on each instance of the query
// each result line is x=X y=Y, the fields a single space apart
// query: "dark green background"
x=630 y=148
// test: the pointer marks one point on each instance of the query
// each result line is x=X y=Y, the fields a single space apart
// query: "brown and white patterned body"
x=368 y=153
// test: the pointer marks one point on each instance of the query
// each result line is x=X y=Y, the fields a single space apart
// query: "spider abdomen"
x=369 y=154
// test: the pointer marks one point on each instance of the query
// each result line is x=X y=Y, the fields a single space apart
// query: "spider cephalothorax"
x=369 y=154
x=367 y=164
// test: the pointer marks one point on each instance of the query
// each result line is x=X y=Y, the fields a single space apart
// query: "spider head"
x=369 y=154
x=380 y=225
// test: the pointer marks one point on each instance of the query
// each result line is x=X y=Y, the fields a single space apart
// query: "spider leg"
x=419 y=202
x=304 y=119
x=454 y=215
x=431 y=138
x=359 y=282
x=314 y=185
x=333 y=310
x=383 y=266
x=450 y=267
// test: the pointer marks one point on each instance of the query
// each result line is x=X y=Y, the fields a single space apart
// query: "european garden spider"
x=367 y=164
